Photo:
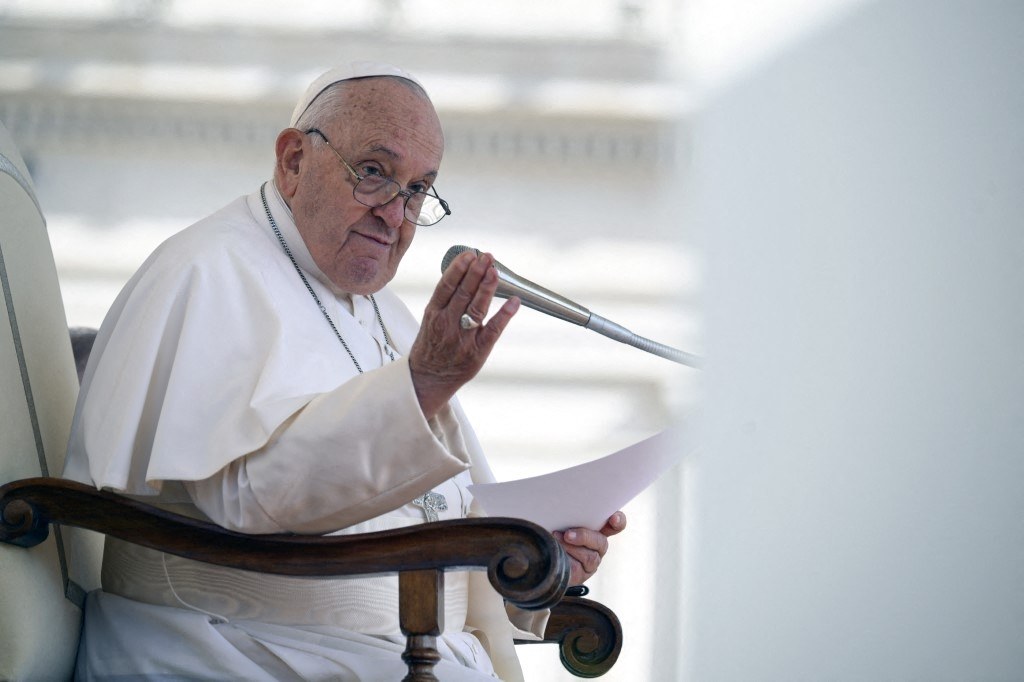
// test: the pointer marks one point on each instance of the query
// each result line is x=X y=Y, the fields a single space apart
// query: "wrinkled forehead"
x=378 y=92
x=376 y=109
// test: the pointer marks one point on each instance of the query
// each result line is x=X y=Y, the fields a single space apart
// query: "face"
x=382 y=127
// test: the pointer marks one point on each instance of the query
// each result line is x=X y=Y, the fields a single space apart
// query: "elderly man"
x=257 y=372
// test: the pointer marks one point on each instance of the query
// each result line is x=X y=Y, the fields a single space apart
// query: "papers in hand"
x=584 y=496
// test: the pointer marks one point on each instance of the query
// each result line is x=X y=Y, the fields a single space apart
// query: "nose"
x=393 y=212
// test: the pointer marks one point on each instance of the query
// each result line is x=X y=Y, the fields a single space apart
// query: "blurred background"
x=789 y=188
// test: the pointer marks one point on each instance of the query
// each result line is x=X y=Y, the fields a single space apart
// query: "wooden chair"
x=45 y=575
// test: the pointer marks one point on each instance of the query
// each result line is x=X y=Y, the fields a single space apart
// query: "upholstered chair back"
x=42 y=588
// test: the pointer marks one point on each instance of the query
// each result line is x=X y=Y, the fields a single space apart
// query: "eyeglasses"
x=422 y=207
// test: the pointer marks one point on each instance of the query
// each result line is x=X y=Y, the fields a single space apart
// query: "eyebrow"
x=392 y=154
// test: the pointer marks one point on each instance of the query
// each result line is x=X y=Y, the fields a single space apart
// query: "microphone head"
x=452 y=253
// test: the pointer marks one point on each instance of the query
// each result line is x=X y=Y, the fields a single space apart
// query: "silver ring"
x=467 y=322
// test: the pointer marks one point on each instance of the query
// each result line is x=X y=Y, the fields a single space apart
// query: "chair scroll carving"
x=589 y=635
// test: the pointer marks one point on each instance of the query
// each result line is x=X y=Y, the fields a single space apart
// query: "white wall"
x=858 y=510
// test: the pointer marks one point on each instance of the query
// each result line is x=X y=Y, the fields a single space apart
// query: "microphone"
x=537 y=297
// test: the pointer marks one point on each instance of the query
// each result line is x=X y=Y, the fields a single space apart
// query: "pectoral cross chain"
x=431 y=503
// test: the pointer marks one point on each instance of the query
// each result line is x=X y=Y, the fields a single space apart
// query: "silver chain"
x=388 y=345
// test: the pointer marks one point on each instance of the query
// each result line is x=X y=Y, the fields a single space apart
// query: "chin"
x=362 y=275
x=363 y=283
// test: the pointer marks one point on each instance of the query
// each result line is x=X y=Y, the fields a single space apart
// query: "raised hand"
x=446 y=354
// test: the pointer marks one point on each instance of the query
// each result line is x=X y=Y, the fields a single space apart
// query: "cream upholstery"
x=42 y=587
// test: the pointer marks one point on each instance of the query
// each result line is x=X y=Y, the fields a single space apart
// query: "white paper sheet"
x=584 y=496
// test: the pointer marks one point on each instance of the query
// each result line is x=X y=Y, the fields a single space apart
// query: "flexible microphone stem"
x=619 y=333
x=537 y=297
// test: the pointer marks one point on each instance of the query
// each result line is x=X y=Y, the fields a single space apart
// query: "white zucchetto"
x=344 y=73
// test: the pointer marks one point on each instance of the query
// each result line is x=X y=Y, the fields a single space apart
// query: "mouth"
x=380 y=239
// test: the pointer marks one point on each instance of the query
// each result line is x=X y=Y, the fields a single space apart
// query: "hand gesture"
x=447 y=353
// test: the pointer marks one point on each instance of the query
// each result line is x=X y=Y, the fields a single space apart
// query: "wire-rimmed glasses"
x=421 y=207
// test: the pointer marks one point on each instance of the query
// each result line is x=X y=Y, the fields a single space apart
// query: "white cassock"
x=217 y=389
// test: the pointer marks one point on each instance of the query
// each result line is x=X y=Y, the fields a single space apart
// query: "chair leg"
x=421 y=617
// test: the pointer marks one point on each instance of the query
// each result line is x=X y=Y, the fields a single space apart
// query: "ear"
x=289 y=152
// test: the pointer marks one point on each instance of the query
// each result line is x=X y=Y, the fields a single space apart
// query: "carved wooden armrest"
x=524 y=562
x=588 y=633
